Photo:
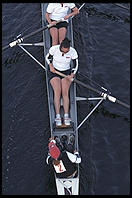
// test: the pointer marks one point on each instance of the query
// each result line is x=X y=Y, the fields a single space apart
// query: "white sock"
x=66 y=115
x=57 y=115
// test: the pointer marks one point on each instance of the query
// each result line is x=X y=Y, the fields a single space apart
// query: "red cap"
x=54 y=150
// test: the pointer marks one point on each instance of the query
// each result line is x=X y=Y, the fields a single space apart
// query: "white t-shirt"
x=73 y=157
x=58 y=12
x=60 y=62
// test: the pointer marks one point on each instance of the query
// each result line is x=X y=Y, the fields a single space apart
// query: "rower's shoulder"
x=54 y=47
x=72 y=49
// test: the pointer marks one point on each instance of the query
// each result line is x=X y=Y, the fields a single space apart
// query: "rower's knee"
x=54 y=42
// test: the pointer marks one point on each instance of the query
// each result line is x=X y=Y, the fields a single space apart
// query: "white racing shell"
x=67 y=186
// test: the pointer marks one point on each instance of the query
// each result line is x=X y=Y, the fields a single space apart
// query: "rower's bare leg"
x=56 y=85
x=54 y=35
x=65 y=94
x=62 y=34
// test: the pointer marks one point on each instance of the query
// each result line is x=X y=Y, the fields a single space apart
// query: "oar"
x=117 y=4
x=14 y=43
x=106 y=96
x=79 y=8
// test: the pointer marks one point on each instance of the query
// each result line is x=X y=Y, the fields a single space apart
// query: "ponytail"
x=65 y=43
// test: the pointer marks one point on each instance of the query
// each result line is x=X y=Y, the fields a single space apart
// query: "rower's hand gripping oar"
x=18 y=41
x=104 y=95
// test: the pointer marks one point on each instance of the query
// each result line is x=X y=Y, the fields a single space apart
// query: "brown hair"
x=65 y=43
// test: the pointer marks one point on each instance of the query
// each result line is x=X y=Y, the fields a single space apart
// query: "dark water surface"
x=102 y=39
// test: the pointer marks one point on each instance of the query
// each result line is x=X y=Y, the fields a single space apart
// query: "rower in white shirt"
x=55 y=12
x=59 y=58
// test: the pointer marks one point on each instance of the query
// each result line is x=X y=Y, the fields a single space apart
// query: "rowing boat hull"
x=64 y=186
x=71 y=184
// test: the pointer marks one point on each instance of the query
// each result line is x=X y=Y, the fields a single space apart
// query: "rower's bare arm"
x=74 y=12
x=52 y=69
x=47 y=17
x=49 y=20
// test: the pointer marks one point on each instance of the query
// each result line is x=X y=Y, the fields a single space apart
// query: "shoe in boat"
x=67 y=121
x=58 y=121
x=59 y=143
x=63 y=138
x=71 y=139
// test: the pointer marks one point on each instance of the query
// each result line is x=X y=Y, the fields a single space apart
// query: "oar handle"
x=50 y=25
x=63 y=75
x=60 y=74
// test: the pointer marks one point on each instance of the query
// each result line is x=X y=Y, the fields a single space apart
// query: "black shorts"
x=52 y=75
x=60 y=25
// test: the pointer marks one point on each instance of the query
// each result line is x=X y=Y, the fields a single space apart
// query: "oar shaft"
x=40 y=30
x=81 y=6
x=79 y=82
x=122 y=103
x=4 y=48
x=35 y=32
x=110 y=98
x=79 y=9
x=14 y=43
x=117 y=4
x=106 y=96
x=87 y=86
